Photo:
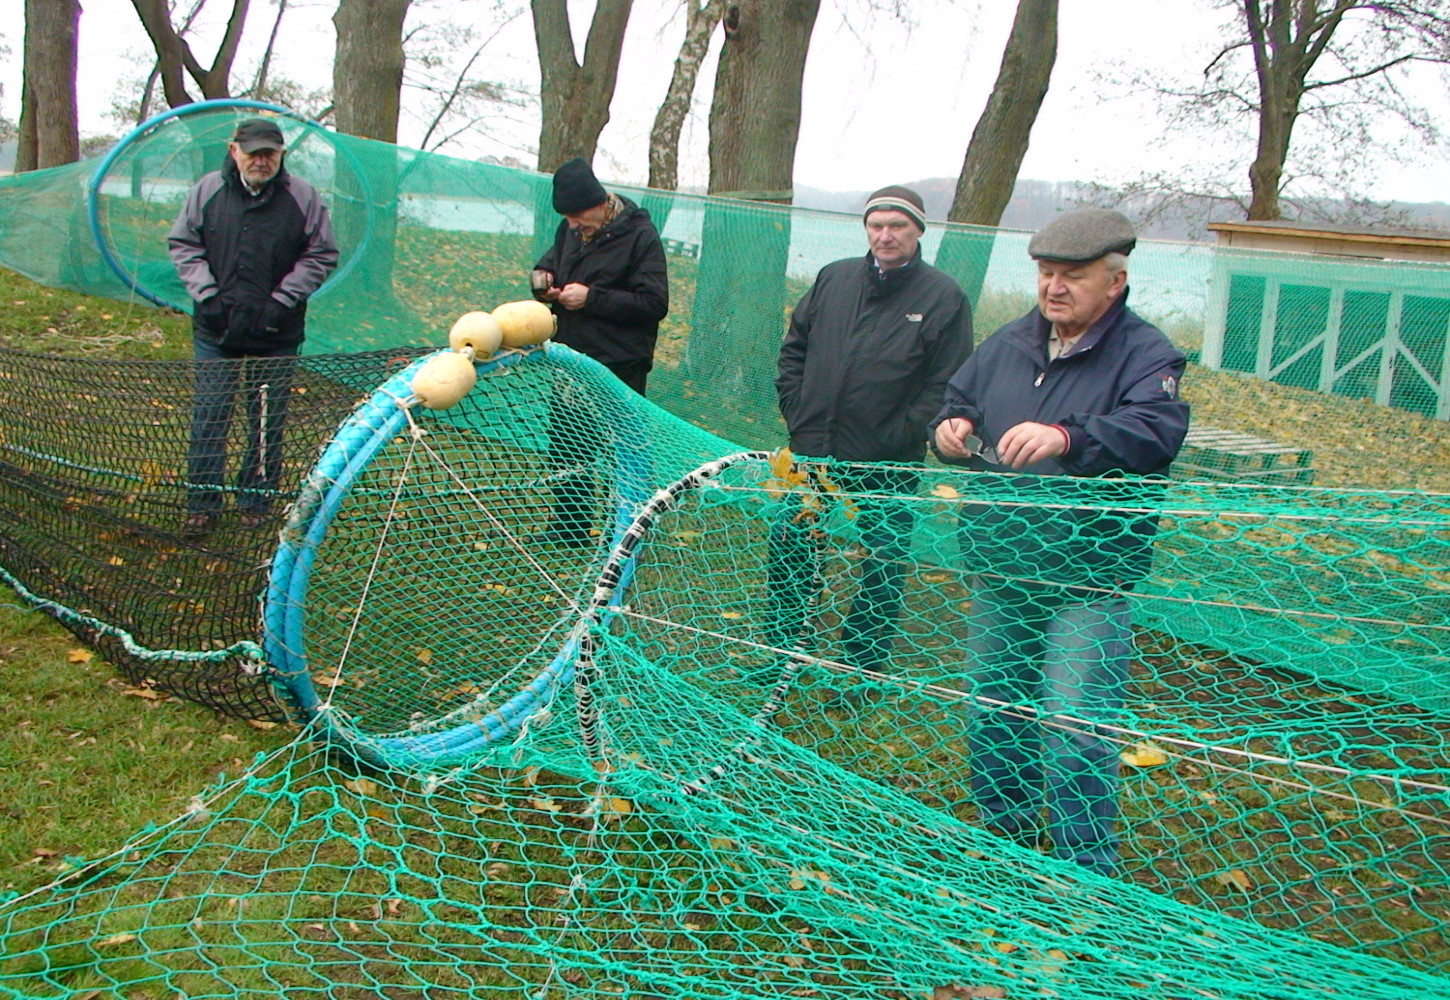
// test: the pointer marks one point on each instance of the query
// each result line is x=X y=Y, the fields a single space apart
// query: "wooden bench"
x=1211 y=453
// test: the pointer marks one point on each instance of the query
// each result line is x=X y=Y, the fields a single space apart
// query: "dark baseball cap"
x=258 y=133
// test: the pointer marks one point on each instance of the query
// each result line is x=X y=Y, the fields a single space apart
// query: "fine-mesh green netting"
x=649 y=765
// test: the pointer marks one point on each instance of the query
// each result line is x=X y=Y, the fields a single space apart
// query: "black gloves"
x=211 y=313
x=273 y=312
x=254 y=325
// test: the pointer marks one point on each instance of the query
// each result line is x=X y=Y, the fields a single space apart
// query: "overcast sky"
x=884 y=102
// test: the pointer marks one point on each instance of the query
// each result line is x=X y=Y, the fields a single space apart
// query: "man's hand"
x=951 y=437
x=572 y=295
x=1030 y=442
x=212 y=313
x=273 y=312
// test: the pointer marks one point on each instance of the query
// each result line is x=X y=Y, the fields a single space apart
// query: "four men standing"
x=877 y=361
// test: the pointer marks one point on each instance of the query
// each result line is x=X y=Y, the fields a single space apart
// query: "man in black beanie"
x=606 y=281
x=862 y=370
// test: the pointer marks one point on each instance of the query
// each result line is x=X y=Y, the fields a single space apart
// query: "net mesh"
x=704 y=749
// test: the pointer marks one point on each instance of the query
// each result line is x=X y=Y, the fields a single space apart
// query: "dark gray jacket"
x=866 y=358
x=244 y=250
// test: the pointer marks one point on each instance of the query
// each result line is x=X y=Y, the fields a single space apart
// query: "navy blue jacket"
x=867 y=357
x=1116 y=395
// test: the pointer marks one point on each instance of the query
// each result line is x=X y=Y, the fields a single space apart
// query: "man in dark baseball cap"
x=252 y=244
x=257 y=148
x=1080 y=386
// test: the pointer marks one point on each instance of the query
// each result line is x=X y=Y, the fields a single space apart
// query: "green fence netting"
x=650 y=764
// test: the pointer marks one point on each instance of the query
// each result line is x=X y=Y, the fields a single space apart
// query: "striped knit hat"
x=898 y=199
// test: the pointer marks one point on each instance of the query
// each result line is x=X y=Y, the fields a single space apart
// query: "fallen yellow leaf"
x=946 y=492
x=79 y=656
x=1143 y=755
x=1236 y=877
x=363 y=786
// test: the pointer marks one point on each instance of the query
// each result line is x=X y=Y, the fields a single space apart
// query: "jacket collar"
x=882 y=283
x=1033 y=335
x=232 y=175
x=623 y=220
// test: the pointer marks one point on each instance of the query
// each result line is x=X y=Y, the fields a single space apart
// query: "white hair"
x=1116 y=262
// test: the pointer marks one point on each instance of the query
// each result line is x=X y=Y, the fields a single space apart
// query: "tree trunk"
x=664 y=137
x=367 y=72
x=49 y=135
x=739 y=307
x=755 y=117
x=999 y=142
x=259 y=86
x=1286 y=40
x=1266 y=173
x=169 y=50
x=575 y=98
x=367 y=82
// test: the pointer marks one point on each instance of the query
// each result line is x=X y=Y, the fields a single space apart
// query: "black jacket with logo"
x=244 y=249
x=624 y=268
x=867 y=357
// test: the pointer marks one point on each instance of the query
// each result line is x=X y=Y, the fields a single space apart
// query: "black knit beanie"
x=898 y=199
x=576 y=189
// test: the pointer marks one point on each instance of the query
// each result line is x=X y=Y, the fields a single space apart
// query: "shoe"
x=253 y=519
x=198 y=523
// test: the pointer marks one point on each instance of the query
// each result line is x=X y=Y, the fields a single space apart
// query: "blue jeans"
x=263 y=380
x=1060 y=653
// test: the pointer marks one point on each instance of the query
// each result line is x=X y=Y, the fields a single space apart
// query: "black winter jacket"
x=866 y=358
x=1116 y=396
x=245 y=250
x=624 y=268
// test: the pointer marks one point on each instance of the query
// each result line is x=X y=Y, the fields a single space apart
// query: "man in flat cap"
x=862 y=369
x=1080 y=386
x=606 y=281
x=251 y=245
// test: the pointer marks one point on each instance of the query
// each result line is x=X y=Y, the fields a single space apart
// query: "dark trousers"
x=793 y=555
x=262 y=382
x=575 y=441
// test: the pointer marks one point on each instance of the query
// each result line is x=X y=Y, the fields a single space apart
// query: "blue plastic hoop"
x=371 y=426
x=93 y=190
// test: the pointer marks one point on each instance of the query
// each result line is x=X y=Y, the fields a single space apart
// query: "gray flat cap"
x=1083 y=235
